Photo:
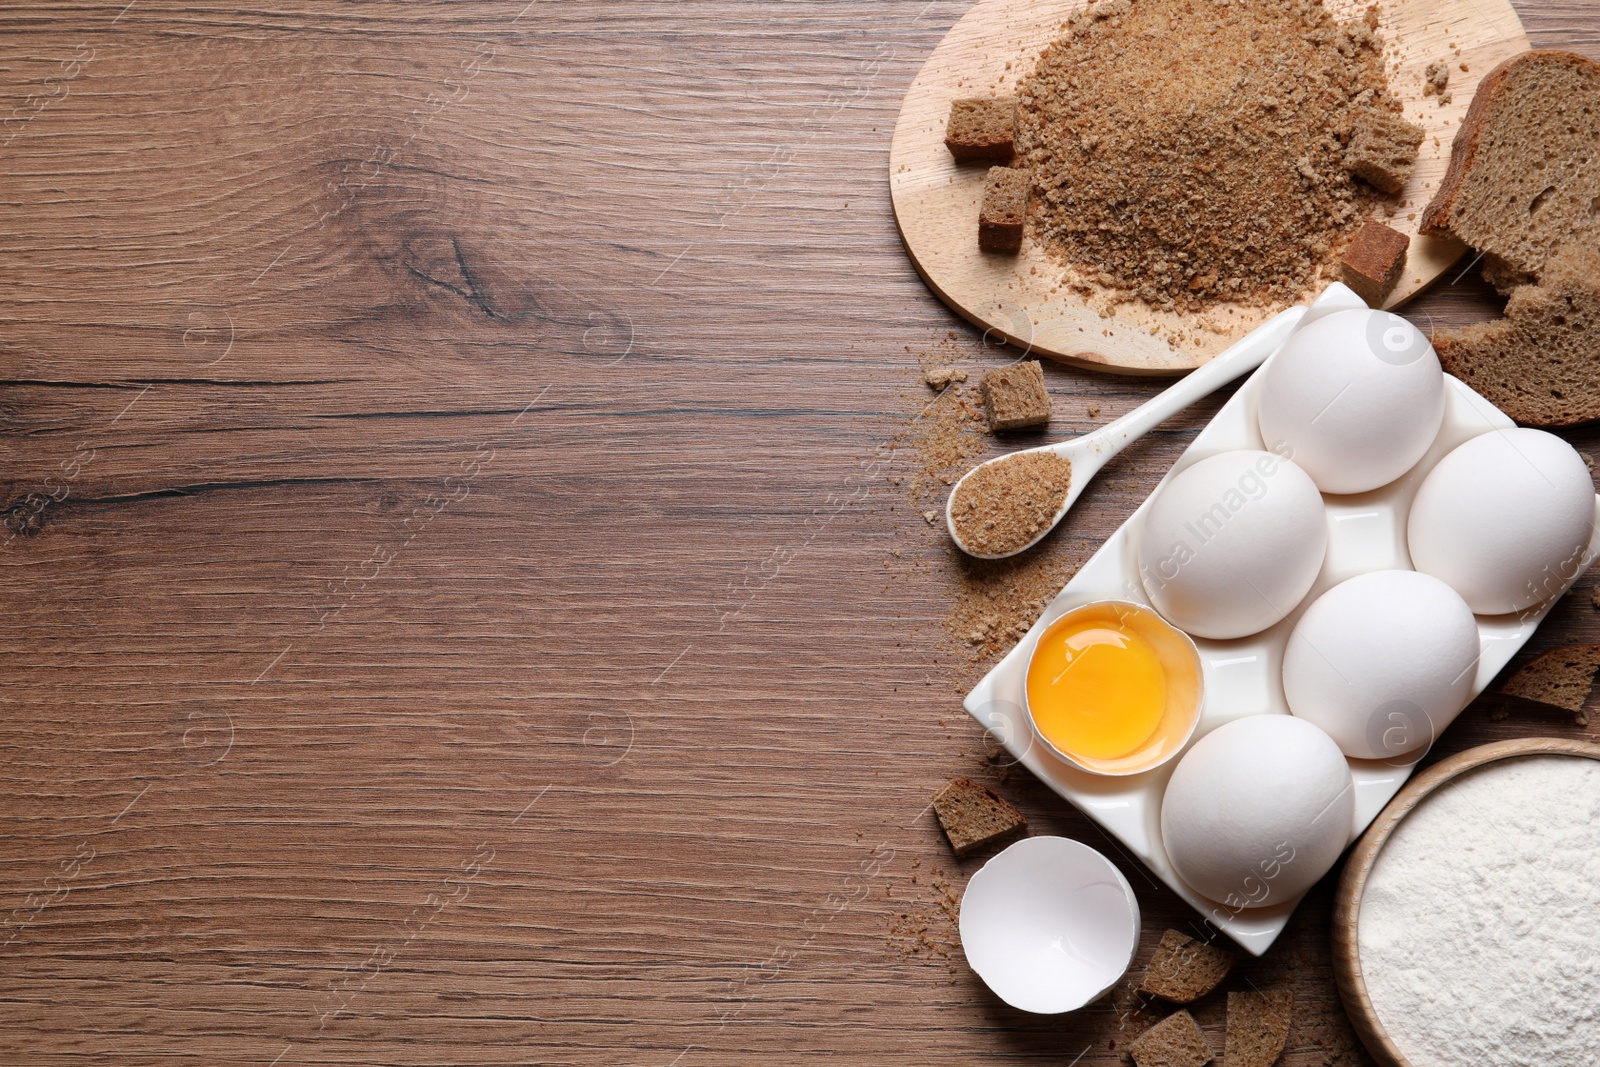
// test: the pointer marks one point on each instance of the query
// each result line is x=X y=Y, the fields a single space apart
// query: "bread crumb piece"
x=1436 y=78
x=1176 y=1041
x=973 y=815
x=1014 y=397
x=982 y=129
x=1258 y=1028
x=1371 y=265
x=940 y=377
x=1183 y=969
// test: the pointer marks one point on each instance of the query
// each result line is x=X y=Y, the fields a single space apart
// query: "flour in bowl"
x=1480 y=923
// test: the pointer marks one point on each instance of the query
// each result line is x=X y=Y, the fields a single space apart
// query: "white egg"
x=1356 y=398
x=1382 y=662
x=1258 y=810
x=1232 y=544
x=1505 y=519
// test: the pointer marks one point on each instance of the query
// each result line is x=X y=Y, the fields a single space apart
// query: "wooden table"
x=452 y=612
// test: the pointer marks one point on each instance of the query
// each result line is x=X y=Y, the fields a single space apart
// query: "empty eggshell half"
x=1506 y=520
x=1355 y=398
x=1232 y=544
x=1382 y=662
x=1049 y=924
x=1258 y=810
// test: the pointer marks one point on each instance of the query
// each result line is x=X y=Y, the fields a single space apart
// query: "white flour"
x=1480 y=924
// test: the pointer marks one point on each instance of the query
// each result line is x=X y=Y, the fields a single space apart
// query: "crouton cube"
x=982 y=129
x=1175 y=1041
x=1372 y=263
x=1014 y=397
x=1382 y=149
x=1005 y=208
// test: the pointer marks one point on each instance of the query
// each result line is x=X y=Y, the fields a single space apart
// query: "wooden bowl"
x=1347 y=903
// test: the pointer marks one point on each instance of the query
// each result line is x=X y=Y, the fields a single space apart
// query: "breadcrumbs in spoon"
x=1002 y=506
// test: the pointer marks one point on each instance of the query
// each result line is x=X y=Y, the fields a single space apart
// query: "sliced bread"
x=1540 y=363
x=973 y=816
x=1524 y=174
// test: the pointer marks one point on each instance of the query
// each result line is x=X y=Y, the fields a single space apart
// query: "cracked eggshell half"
x=1049 y=924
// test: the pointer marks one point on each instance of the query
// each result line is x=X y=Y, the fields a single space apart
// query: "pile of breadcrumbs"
x=1190 y=152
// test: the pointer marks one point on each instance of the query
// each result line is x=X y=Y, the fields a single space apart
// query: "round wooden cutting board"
x=1020 y=298
x=1353 y=882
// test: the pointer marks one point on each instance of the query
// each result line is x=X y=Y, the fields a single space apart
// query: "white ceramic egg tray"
x=1366 y=532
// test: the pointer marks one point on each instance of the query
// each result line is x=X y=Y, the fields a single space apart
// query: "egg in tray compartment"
x=1355 y=546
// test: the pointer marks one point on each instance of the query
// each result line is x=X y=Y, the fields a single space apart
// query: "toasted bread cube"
x=1372 y=263
x=982 y=129
x=1382 y=149
x=972 y=815
x=1005 y=209
x=1258 y=1028
x=1183 y=969
x=1175 y=1041
x=1014 y=397
x=1561 y=678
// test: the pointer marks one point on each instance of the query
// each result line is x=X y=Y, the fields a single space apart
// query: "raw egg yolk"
x=1096 y=690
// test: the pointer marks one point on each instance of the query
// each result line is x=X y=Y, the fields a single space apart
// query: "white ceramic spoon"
x=1089 y=453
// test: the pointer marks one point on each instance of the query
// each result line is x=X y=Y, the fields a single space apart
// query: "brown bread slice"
x=1258 y=1028
x=1175 y=1041
x=973 y=816
x=982 y=129
x=1524 y=175
x=1184 y=969
x=1540 y=363
x=1560 y=678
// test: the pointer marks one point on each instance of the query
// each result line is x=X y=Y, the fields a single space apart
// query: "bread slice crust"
x=1540 y=362
x=1462 y=205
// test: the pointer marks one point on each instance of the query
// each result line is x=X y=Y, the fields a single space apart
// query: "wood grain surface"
x=459 y=602
x=1023 y=298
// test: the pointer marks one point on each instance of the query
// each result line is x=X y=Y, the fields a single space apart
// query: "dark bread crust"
x=1464 y=149
x=1539 y=362
x=1561 y=678
x=973 y=815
